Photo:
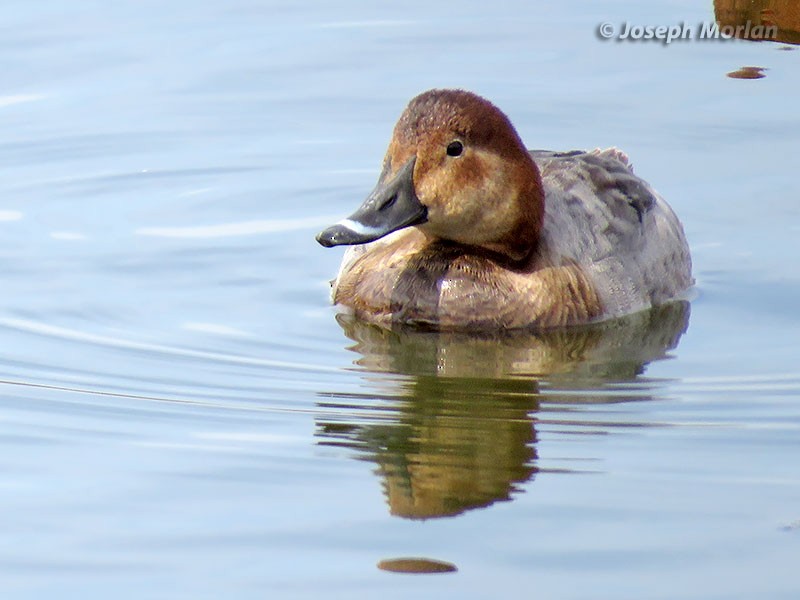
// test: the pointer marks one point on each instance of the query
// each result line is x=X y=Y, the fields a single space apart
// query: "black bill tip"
x=348 y=232
x=392 y=205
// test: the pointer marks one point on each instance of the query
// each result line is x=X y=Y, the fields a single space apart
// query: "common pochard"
x=466 y=229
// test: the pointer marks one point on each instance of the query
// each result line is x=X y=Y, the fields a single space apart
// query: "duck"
x=467 y=230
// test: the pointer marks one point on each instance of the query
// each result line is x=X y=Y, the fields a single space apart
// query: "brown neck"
x=523 y=238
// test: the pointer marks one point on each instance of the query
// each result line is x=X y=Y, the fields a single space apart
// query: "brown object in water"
x=416 y=565
x=748 y=73
x=783 y=14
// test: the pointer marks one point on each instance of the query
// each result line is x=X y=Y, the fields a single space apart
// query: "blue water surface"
x=182 y=415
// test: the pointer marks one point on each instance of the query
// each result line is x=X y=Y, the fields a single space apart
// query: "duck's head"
x=457 y=170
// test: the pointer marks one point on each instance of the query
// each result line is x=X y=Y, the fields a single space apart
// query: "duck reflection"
x=451 y=427
x=784 y=14
x=454 y=444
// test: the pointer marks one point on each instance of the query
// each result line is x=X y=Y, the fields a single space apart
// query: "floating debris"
x=748 y=73
x=793 y=526
x=416 y=565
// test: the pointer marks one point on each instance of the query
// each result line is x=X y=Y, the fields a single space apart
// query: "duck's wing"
x=611 y=223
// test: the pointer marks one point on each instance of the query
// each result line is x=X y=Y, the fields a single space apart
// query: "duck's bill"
x=392 y=205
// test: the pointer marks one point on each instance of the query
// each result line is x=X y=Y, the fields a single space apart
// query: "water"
x=182 y=415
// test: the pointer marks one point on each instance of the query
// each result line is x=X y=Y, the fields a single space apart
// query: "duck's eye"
x=455 y=148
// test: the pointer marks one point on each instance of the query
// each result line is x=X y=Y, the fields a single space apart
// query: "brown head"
x=456 y=169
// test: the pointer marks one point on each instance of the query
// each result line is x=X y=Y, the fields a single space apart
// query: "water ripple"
x=237 y=229
x=65 y=333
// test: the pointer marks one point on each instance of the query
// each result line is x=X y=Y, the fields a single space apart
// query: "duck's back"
x=615 y=227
